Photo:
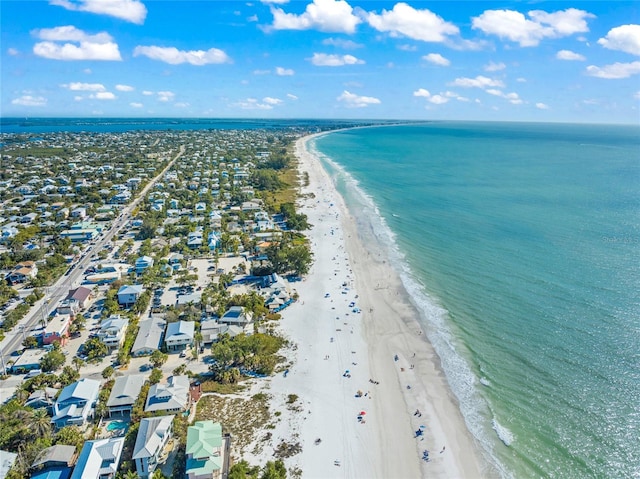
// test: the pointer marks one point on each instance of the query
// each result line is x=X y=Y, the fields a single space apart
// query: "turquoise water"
x=520 y=246
x=117 y=425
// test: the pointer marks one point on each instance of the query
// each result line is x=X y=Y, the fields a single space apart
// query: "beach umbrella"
x=362 y=413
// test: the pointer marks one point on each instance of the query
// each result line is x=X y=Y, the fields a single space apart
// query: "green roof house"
x=204 y=450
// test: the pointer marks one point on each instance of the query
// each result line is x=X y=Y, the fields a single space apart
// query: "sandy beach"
x=366 y=377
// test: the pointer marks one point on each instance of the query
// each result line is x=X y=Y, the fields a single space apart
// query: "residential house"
x=171 y=397
x=210 y=331
x=75 y=403
x=99 y=459
x=129 y=294
x=149 y=336
x=236 y=315
x=54 y=462
x=22 y=272
x=80 y=213
x=28 y=218
x=57 y=330
x=112 y=331
x=42 y=398
x=179 y=335
x=214 y=240
x=143 y=263
x=7 y=232
x=63 y=213
x=124 y=393
x=204 y=451
x=153 y=435
x=194 y=239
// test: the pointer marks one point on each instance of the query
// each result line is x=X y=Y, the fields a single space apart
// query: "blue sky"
x=476 y=60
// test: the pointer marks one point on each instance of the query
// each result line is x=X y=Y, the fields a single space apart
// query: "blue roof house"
x=129 y=294
x=75 y=403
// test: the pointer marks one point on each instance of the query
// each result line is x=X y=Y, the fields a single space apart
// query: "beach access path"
x=347 y=330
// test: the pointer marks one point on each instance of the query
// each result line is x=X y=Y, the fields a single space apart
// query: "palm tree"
x=40 y=423
x=78 y=363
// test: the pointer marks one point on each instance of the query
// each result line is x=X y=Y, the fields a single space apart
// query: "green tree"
x=78 y=363
x=242 y=470
x=30 y=342
x=108 y=372
x=52 y=361
x=156 y=376
x=68 y=375
x=71 y=436
x=274 y=470
x=158 y=358
x=94 y=348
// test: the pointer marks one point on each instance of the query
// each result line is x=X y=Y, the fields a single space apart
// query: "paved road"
x=60 y=289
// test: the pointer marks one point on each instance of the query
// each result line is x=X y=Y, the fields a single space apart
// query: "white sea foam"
x=484 y=381
x=503 y=433
x=433 y=318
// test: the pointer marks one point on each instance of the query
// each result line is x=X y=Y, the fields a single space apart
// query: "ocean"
x=519 y=244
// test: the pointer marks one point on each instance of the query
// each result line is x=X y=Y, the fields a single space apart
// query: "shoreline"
x=344 y=361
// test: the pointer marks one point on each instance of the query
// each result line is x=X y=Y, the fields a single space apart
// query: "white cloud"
x=275 y=1
x=261 y=72
x=284 y=72
x=87 y=71
x=439 y=99
x=124 y=88
x=28 y=100
x=323 y=15
x=404 y=20
x=477 y=82
x=637 y=95
x=166 y=95
x=494 y=67
x=103 y=95
x=407 y=48
x=132 y=11
x=614 y=71
x=147 y=92
x=271 y=101
x=436 y=59
x=625 y=38
x=542 y=106
x=89 y=47
x=13 y=52
x=291 y=96
x=512 y=97
x=521 y=80
x=174 y=56
x=136 y=105
x=252 y=18
x=78 y=86
x=356 y=101
x=451 y=94
x=78 y=98
x=514 y=26
x=181 y=104
x=253 y=104
x=325 y=60
x=341 y=43
x=569 y=56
